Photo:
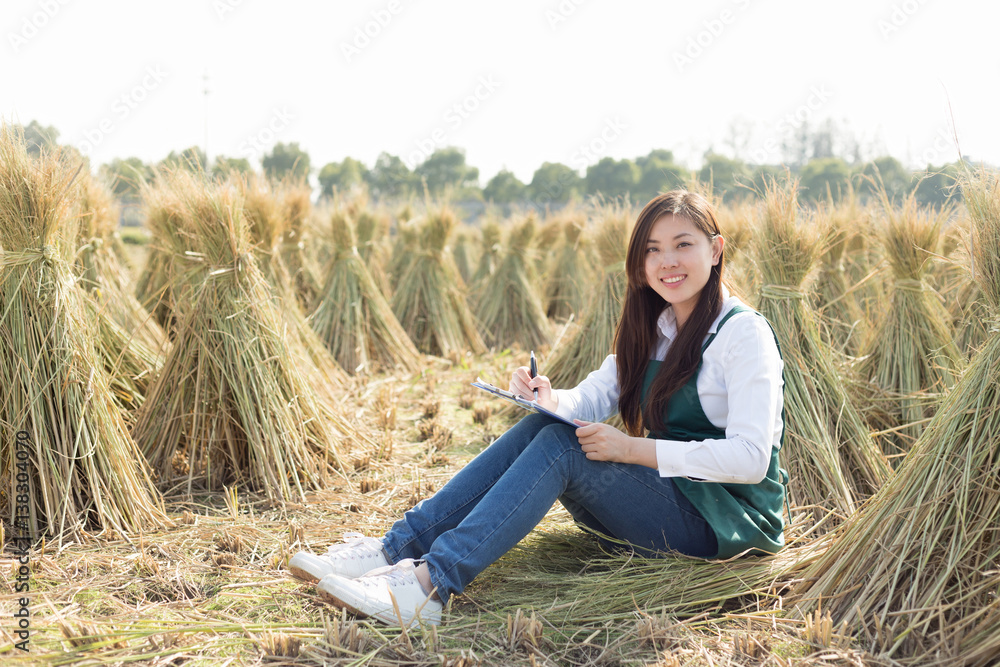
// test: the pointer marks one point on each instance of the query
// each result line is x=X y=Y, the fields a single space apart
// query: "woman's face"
x=679 y=261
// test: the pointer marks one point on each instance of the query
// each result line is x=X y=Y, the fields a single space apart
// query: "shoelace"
x=355 y=545
x=392 y=575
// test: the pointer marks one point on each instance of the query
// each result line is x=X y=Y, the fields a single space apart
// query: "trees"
x=446 y=168
x=504 y=188
x=126 y=176
x=192 y=159
x=38 y=136
x=554 y=183
x=725 y=174
x=231 y=165
x=888 y=172
x=286 y=160
x=936 y=185
x=824 y=175
x=611 y=177
x=658 y=173
x=390 y=177
x=341 y=175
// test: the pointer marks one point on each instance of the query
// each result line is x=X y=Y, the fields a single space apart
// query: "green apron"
x=743 y=516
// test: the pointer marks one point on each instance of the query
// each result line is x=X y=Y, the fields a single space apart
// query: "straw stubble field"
x=213 y=589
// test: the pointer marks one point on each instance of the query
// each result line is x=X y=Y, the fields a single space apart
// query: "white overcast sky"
x=535 y=80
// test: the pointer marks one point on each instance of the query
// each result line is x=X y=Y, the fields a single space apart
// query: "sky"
x=514 y=84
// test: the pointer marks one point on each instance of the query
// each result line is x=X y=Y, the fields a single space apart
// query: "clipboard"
x=521 y=402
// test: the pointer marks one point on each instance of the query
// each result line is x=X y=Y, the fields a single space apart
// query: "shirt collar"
x=667 y=321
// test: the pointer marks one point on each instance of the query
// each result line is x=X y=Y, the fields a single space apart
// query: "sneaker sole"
x=299 y=573
x=340 y=604
x=388 y=616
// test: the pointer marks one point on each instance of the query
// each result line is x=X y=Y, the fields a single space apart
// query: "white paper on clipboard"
x=522 y=402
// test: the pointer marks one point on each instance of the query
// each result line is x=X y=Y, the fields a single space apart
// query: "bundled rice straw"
x=372 y=231
x=296 y=207
x=130 y=340
x=430 y=301
x=353 y=317
x=970 y=314
x=830 y=455
x=615 y=585
x=910 y=358
x=161 y=275
x=234 y=404
x=263 y=211
x=566 y=289
x=915 y=570
x=508 y=306
x=586 y=349
x=463 y=262
x=488 y=259
x=64 y=437
x=833 y=299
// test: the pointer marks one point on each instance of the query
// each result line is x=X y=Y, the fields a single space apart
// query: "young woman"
x=696 y=376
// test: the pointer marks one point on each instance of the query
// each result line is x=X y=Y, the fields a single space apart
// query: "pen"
x=534 y=370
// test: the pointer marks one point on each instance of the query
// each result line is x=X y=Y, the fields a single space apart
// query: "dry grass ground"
x=214 y=590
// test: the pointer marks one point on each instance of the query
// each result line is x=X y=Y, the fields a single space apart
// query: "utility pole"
x=206 y=91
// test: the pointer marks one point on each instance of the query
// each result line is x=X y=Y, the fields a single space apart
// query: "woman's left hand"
x=603 y=442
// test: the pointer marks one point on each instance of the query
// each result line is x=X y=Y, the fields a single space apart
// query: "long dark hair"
x=635 y=336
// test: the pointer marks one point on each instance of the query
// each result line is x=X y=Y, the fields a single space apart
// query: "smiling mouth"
x=671 y=281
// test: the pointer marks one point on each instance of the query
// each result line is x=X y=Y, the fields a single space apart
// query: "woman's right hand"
x=522 y=384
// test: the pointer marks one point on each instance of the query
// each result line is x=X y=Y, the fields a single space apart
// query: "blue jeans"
x=495 y=500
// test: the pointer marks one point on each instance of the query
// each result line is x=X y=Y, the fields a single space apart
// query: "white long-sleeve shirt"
x=740 y=389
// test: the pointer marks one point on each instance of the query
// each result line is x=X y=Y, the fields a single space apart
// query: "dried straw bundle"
x=463 y=261
x=910 y=358
x=970 y=314
x=735 y=223
x=353 y=317
x=430 y=300
x=586 y=349
x=489 y=257
x=833 y=299
x=508 y=305
x=372 y=231
x=915 y=569
x=162 y=273
x=234 y=404
x=83 y=470
x=130 y=341
x=267 y=225
x=615 y=585
x=403 y=251
x=830 y=455
x=569 y=274
x=295 y=209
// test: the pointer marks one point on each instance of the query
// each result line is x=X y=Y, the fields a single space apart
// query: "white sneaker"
x=356 y=556
x=374 y=593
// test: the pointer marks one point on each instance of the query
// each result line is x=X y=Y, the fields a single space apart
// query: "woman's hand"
x=603 y=442
x=522 y=384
